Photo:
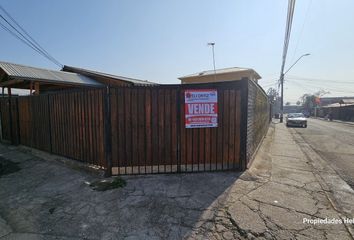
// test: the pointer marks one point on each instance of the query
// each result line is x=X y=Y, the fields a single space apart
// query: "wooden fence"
x=132 y=130
x=148 y=132
x=9 y=120
x=69 y=124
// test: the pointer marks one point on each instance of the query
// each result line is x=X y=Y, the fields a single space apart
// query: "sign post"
x=201 y=108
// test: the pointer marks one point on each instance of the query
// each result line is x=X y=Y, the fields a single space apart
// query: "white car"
x=296 y=120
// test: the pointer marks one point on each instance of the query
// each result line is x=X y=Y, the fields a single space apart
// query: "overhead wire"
x=301 y=86
x=318 y=80
x=25 y=37
x=28 y=35
x=28 y=41
x=323 y=86
x=289 y=20
x=18 y=37
x=302 y=29
x=269 y=84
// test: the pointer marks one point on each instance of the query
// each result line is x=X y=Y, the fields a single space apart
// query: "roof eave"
x=50 y=81
x=107 y=76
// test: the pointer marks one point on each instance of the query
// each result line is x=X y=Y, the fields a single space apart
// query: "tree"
x=321 y=93
x=298 y=103
x=287 y=104
x=309 y=101
x=272 y=94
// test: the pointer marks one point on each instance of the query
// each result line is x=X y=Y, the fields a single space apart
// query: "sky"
x=163 y=40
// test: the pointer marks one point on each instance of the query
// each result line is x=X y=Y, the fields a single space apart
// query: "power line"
x=270 y=84
x=302 y=86
x=28 y=40
x=291 y=8
x=18 y=37
x=289 y=21
x=302 y=29
x=329 y=88
x=28 y=35
x=318 y=80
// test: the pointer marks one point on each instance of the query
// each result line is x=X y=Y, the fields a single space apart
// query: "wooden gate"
x=149 y=133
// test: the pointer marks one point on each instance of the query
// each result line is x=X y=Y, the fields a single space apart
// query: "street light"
x=304 y=55
x=282 y=85
x=212 y=44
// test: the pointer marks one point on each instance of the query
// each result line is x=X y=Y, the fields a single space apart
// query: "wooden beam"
x=2 y=75
x=31 y=87
x=9 y=91
x=36 y=88
x=10 y=82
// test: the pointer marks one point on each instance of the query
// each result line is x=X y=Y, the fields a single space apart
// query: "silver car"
x=296 y=120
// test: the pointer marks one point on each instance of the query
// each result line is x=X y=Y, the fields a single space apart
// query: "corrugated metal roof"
x=222 y=71
x=17 y=71
x=347 y=101
x=335 y=105
x=107 y=75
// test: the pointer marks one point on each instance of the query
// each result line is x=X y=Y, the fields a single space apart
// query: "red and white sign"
x=201 y=108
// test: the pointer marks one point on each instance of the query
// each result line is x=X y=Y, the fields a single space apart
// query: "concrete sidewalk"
x=280 y=197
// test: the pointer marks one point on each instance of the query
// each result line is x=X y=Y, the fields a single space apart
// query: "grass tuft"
x=104 y=185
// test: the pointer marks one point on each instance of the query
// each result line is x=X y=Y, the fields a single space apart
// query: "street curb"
x=261 y=166
x=338 y=192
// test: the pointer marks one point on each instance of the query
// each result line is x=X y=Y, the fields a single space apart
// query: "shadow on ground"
x=48 y=199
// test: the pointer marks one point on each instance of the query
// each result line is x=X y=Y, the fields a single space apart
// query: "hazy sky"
x=163 y=40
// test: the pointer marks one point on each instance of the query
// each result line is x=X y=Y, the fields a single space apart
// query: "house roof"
x=335 y=105
x=92 y=73
x=346 y=101
x=21 y=72
x=223 y=71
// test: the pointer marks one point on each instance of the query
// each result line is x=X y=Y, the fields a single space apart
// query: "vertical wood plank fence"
x=149 y=136
x=133 y=130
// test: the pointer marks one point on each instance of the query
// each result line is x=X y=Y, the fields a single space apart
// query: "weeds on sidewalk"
x=104 y=185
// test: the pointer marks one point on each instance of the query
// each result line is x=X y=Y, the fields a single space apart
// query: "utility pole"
x=212 y=44
x=282 y=84
x=289 y=21
x=282 y=96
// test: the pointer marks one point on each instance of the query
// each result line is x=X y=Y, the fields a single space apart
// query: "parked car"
x=296 y=120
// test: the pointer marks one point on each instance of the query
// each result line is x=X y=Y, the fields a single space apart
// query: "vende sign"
x=201 y=108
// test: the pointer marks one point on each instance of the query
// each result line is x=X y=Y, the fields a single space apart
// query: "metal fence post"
x=107 y=131
x=244 y=124
x=10 y=121
x=50 y=126
x=179 y=119
x=18 y=122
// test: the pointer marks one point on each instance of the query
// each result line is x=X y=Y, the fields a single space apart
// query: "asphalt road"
x=334 y=142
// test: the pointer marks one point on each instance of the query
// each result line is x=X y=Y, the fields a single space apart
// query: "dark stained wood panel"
x=149 y=135
x=146 y=130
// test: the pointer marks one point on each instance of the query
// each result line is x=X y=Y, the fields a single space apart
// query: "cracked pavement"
x=48 y=200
